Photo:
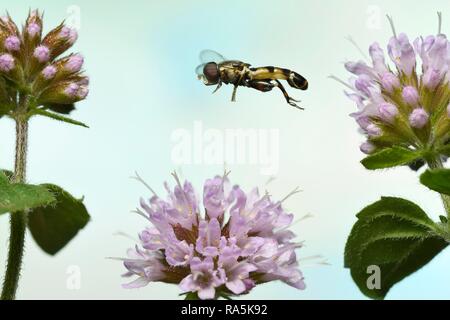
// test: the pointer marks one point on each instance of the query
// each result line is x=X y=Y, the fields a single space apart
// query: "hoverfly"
x=216 y=70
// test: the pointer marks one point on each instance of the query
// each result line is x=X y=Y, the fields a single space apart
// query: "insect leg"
x=289 y=100
x=238 y=83
x=218 y=87
x=261 y=85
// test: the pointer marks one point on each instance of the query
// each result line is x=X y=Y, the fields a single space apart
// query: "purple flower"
x=71 y=90
x=83 y=92
x=49 y=72
x=383 y=92
x=389 y=81
x=373 y=130
x=410 y=95
x=388 y=111
x=367 y=148
x=42 y=54
x=216 y=196
x=402 y=53
x=36 y=64
x=33 y=29
x=377 y=55
x=418 y=118
x=74 y=63
x=12 y=43
x=6 y=62
x=208 y=255
x=69 y=34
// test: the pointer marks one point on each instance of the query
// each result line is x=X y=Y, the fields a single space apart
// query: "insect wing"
x=211 y=56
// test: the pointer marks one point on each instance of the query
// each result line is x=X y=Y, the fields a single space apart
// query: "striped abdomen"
x=294 y=79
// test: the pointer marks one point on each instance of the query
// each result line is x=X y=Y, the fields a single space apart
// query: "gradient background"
x=140 y=56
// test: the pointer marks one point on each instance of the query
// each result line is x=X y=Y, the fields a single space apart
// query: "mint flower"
x=35 y=79
x=404 y=104
x=403 y=110
x=242 y=240
x=31 y=65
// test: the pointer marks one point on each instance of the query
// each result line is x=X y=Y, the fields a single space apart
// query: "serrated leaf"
x=395 y=235
x=58 y=117
x=391 y=157
x=437 y=180
x=54 y=226
x=20 y=196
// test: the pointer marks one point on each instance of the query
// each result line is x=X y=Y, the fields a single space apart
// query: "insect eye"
x=211 y=72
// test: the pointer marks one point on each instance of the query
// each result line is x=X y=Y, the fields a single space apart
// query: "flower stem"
x=18 y=219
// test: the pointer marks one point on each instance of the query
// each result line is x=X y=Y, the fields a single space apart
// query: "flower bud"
x=448 y=110
x=367 y=148
x=49 y=72
x=388 y=112
x=83 y=92
x=410 y=95
x=373 y=130
x=12 y=43
x=74 y=63
x=70 y=34
x=431 y=78
x=71 y=90
x=390 y=82
x=60 y=39
x=33 y=29
x=418 y=118
x=363 y=121
x=7 y=62
x=42 y=54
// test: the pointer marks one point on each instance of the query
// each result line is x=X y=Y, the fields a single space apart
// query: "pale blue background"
x=140 y=56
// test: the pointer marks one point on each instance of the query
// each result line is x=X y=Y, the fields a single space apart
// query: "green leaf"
x=437 y=180
x=390 y=157
x=54 y=226
x=19 y=196
x=191 y=296
x=395 y=235
x=58 y=117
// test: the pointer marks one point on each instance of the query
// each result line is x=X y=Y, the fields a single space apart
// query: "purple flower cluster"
x=241 y=241
x=406 y=105
x=31 y=62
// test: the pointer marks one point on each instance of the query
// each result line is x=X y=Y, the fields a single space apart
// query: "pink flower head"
x=33 y=29
x=418 y=118
x=241 y=241
x=6 y=62
x=403 y=96
x=42 y=54
x=12 y=43
x=74 y=63
x=49 y=72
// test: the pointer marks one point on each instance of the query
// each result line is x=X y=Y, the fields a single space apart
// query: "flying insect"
x=216 y=70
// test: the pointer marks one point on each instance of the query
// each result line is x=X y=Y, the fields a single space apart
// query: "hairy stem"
x=18 y=219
